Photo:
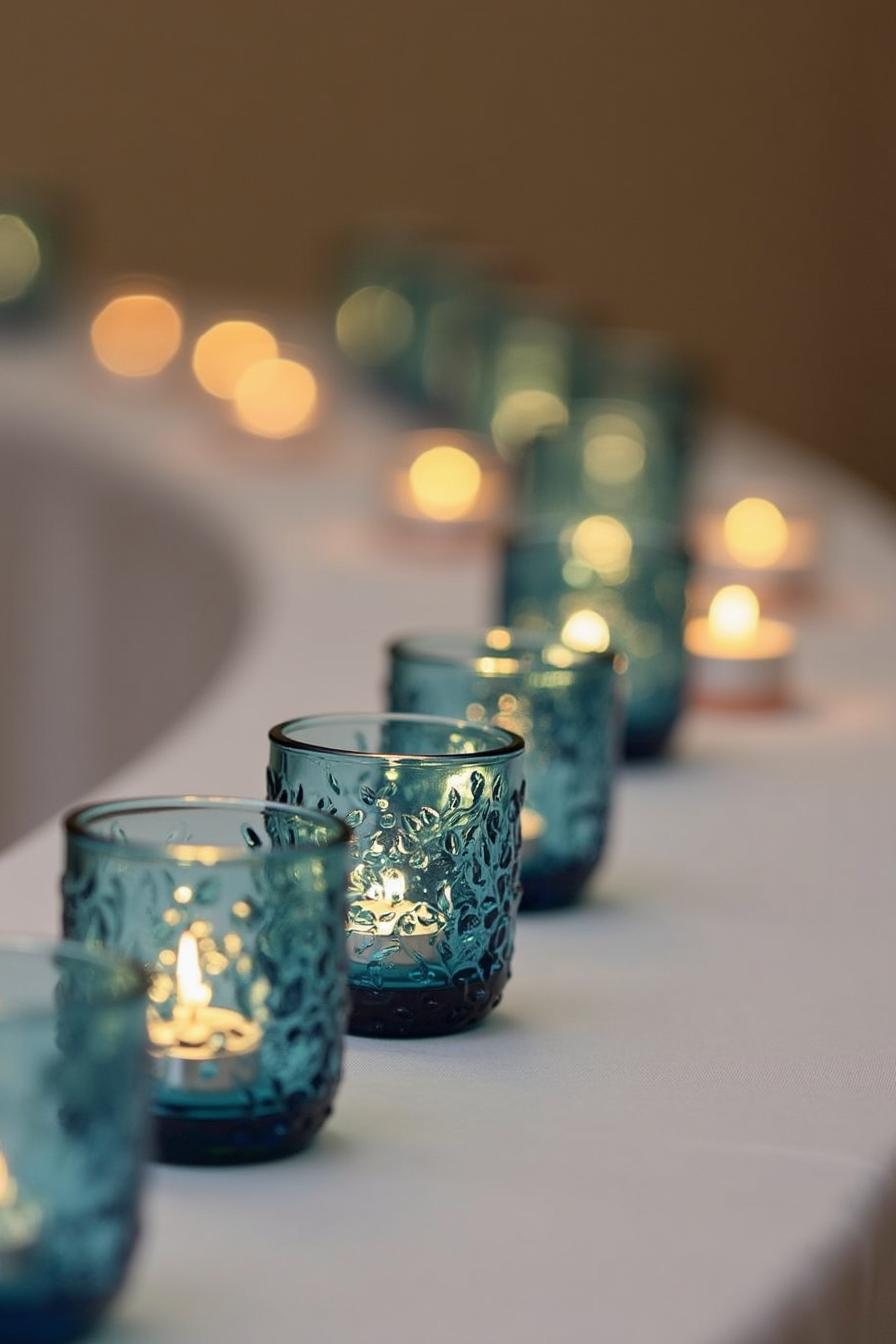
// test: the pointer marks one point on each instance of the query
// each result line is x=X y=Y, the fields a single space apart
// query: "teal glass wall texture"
x=73 y=1134
x=565 y=704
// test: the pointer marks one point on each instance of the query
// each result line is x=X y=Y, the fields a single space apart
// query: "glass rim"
x=26 y=945
x=77 y=828
x=508 y=744
x=469 y=645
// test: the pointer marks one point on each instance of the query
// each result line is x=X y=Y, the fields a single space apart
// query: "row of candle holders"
x=375 y=889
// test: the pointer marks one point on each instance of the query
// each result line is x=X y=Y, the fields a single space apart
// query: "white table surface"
x=680 y=1126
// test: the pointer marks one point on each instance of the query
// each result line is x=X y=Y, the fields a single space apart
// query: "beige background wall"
x=713 y=168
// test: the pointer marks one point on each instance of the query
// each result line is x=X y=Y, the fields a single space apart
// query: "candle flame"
x=192 y=991
x=8 y=1188
x=393 y=885
x=755 y=532
x=734 y=614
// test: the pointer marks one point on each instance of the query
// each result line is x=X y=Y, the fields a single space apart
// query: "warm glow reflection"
x=8 y=1190
x=532 y=825
x=734 y=614
x=605 y=544
x=487 y=666
x=373 y=324
x=498 y=638
x=614 y=448
x=586 y=631
x=755 y=533
x=192 y=991
x=524 y=413
x=19 y=257
x=276 y=398
x=393 y=884
x=445 y=482
x=136 y=335
x=224 y=352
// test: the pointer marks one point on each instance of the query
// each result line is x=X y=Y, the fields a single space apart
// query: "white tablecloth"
x=680 y=1126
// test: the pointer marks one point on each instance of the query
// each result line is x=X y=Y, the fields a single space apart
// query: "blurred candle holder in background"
x=446 y=479
x=601 y=582
x=72 y=1134
x=564 y=703
x=31 y=238
x=756 y=541
x=434 y=806
x=739 y=659
x=237 y=908
x=616 y=457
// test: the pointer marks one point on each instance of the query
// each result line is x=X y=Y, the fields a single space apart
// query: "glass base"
x=555 y=889
x=643 y=743
x=197 y=1140
x=437 y=1011
x=56 y=1322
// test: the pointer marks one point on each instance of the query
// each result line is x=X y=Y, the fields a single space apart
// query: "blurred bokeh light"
x=19 y=257
x=586 y=631
x=734 y=613
x=614 y=448
x=136 y=335
x=755 y=533
x=445 y=482
x=276 y=398
x=605 y=544
x=224 y=352
x=373 y=324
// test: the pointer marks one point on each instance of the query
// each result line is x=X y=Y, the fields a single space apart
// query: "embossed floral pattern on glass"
x=563 y=703
x=73 y=1065
x=599 y=582
x=434 y=806
x=237 y=908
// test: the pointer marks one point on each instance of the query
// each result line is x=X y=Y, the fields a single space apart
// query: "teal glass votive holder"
x=626 y=458
x=237 y=908
x=564 y=703
x=73 y=1121
x=601 y=584
x=434 y=805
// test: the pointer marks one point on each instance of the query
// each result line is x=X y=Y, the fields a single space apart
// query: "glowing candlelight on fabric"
x=276 y=398
x=201 y=1048
x=445 y=482
x=739 y=656
x=136 y=335
x=224 y=352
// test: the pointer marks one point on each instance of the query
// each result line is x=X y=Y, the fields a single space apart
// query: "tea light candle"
x=740 y=659
x=408 y=930
x=20 y=1222
x=201 y=1048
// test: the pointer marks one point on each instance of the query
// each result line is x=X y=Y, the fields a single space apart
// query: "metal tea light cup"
x=564 y=703
x=434 y=805
x=237 y=908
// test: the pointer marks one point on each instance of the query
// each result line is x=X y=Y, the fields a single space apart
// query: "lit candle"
x=407 y=930
x=20 y=1222
x=740 y=659
x=779 y=552
x=201 y=1048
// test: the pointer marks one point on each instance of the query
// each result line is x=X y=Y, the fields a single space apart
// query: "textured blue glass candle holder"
x=434 y=806
x=621 y=457
x=73 y=1122
x=238 y=910
x=565 y=704
x=598 y=583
